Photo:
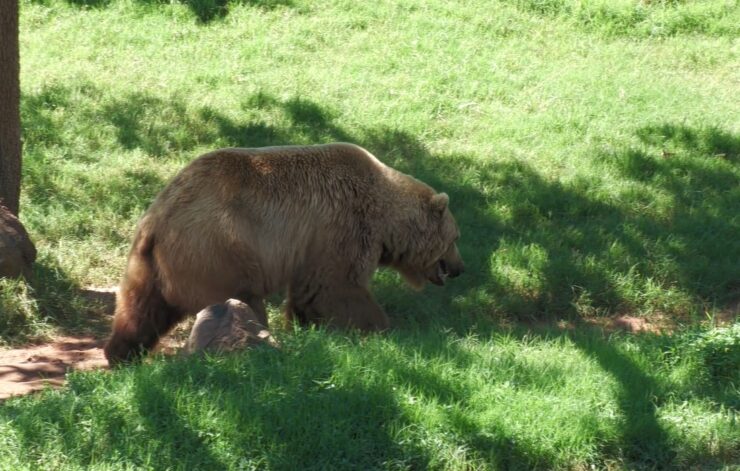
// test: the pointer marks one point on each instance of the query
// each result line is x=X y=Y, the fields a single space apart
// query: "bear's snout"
x=452 y=263
x=455 y=270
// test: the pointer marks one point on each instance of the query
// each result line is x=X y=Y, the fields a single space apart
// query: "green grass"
x=591 y=150
x=424 y=400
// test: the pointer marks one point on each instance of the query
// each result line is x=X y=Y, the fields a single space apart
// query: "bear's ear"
x=440 y=202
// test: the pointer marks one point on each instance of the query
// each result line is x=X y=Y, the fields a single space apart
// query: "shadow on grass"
x=51 y=299
x=285 y=409
x=572 y=247
x=68 y=306
x=667 y=18
x=204 y=10
x=169 y=434
x=576 y=251
x=643 y=442
x=293 y=409
x=640 y=438
x=309 y=407
x=536 y=247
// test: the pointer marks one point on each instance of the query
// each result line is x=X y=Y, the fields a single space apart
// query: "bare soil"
x=30 y=368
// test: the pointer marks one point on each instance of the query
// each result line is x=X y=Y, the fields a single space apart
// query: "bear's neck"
x=401 y=195
x=396 y=244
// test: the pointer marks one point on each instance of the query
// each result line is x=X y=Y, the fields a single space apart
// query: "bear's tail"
x=142 y=314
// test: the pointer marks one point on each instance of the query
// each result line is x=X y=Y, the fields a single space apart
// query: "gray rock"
x=225 y=327
x=17 y=252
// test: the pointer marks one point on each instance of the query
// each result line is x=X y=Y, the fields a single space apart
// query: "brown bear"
x=315 y=221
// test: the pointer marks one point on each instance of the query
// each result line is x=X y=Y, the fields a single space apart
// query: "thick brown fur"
x=246 y=223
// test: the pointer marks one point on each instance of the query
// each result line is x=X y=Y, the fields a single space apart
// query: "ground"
x=34 y=367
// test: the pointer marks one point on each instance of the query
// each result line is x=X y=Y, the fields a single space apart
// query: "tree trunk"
x=10 y=119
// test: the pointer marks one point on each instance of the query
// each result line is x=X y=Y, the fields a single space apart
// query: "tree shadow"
x=536 y=247
x=297 y=418
x=495 y=445
x=205 y=11
x=301 y=407
x=50 y=298
x=696 y=169
x=293 y=408
x=582 y=246
x=643 y=443
x=157 y=407
x=642 y=440
x=489 y=441
x=709 y=142
x=567 y=238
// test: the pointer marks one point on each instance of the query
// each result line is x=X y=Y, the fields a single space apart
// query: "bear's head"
x=432 y=254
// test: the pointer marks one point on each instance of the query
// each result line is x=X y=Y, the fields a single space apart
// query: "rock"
x=225 y=327
x=17 y=252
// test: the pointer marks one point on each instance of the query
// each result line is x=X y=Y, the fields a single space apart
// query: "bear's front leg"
x=341 y=306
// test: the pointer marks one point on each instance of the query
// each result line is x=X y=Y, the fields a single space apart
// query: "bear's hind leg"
x=139 y=322
x=142 y=315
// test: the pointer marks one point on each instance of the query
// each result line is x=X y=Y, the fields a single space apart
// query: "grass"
x=591 y=153
x=488 y=400
x=411 y=400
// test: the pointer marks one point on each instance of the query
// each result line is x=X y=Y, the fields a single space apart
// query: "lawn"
x=591 y=151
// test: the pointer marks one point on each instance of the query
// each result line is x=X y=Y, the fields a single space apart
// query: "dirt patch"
x=35 y=367
x=623 y=323
x=24 y=370
x=655 y=325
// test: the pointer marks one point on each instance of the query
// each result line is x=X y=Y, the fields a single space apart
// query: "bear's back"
x=322 y=176
x=290 y=165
